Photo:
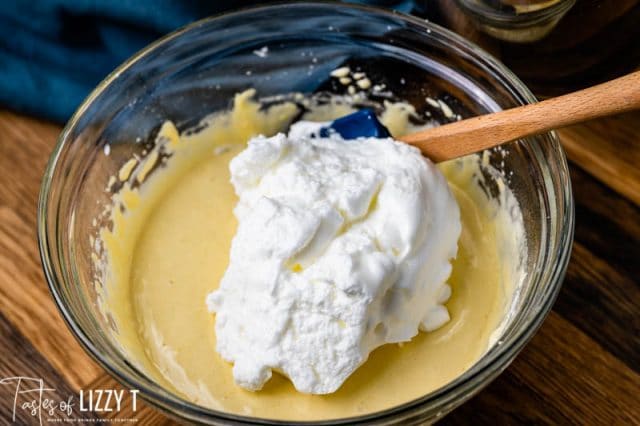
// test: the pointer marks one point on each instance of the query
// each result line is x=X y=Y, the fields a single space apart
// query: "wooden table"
x=583 y=366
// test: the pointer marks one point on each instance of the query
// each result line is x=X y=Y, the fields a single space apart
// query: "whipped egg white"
x=341 y=247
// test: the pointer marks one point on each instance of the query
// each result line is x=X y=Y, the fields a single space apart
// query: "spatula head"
x=360 y=124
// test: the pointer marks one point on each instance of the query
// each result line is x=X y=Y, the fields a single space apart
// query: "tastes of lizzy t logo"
x=31 y=398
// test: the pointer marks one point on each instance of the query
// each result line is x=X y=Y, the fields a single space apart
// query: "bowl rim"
x=473 y=378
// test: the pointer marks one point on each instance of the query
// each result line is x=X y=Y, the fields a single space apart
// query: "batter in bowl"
x=168 y=248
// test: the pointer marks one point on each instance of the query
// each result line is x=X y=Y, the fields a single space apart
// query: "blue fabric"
x=53 y=52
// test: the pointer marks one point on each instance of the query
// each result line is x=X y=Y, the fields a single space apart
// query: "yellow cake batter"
x=169 y=248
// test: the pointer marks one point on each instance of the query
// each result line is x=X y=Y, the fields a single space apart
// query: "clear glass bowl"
x=524 y=22
x=198 y=69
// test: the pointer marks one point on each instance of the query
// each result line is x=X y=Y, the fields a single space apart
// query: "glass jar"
x=595 y=41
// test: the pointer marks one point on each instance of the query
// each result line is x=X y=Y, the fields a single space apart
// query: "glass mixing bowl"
x=198 y=69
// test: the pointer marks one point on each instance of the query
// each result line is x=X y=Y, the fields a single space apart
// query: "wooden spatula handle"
x=485 y=131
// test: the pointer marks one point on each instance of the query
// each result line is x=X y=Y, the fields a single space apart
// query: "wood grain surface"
x=582 y=367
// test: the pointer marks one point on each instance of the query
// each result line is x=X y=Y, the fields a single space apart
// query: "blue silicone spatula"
x=486 y=131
